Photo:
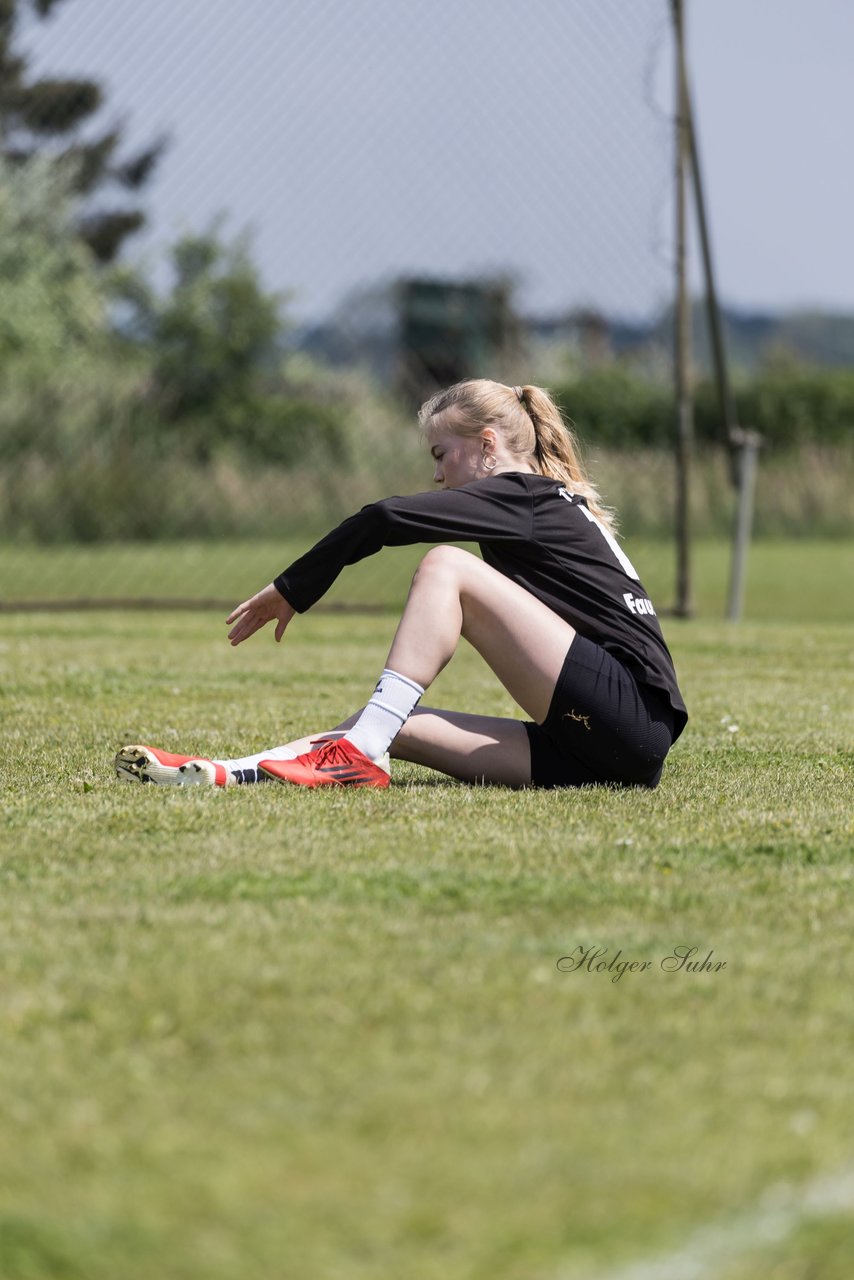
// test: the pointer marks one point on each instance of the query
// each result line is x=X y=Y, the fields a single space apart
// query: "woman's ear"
x=488 y=440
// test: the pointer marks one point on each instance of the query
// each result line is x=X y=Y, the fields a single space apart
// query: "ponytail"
x=531 y=426
x=558 y=452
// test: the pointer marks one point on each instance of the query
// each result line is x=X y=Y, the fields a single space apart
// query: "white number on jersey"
x=612 y=542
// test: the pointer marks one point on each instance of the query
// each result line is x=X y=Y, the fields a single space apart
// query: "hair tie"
x=519 y=395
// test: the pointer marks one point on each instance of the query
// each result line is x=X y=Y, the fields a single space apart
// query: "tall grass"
x=141 y=489
x=802 y=492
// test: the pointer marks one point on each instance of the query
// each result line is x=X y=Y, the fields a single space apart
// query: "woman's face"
x=458 y=459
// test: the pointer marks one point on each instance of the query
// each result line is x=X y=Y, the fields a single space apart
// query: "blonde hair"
x=531 y=426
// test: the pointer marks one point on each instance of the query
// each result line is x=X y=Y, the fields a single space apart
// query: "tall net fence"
x=334 y=209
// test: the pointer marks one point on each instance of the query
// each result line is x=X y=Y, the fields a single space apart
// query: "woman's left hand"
x=266 y=606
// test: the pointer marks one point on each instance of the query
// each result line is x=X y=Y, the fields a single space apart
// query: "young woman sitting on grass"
x=555 y=608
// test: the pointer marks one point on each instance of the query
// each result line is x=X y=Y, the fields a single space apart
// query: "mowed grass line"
x=265 y=1033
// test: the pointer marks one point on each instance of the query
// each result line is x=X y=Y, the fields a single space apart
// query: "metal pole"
x=682 y=339
x=750 y=444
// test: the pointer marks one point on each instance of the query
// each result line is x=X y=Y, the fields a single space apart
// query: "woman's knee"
x=445 y=561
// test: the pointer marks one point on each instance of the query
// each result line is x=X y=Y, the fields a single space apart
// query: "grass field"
x=257 y=1034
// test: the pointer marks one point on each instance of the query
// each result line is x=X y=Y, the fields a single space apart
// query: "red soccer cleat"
x=150 y=764
x=338 y=763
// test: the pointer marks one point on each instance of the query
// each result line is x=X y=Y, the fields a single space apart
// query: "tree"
x=47 y=115
x=54 y=302
x=72 y=398
x=218 y=376
x=215 y=331
x=58 y=352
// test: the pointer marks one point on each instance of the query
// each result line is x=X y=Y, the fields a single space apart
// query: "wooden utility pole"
x=742 y=445
x=682 y=334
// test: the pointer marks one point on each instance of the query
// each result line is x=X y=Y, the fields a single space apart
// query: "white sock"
x=245 y=768
x=391 y=705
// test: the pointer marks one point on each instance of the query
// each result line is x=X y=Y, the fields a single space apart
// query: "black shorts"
x=602 y=726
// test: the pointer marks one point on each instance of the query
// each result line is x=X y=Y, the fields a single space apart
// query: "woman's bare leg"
x=471 y=748
x=455 y=593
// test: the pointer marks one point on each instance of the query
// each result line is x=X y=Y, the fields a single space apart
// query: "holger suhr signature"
x=682 y=959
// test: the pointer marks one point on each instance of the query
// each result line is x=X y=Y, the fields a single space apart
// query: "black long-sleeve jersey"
x=537 y=533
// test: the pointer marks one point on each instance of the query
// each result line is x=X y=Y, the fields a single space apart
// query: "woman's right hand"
x=266 y=606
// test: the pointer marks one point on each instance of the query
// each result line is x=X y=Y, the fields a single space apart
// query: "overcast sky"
x=362 y=139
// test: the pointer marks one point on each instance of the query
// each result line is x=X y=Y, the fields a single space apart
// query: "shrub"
x=613 y=407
